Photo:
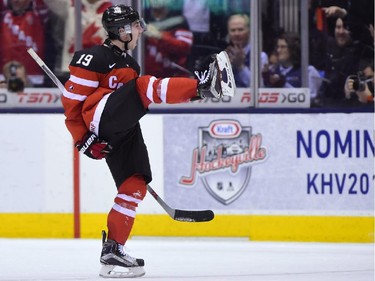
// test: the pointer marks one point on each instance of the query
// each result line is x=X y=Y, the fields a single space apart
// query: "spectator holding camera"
x=342 y=60
x=361 y=87
x=15 y=77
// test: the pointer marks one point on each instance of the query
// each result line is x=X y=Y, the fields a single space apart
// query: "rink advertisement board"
x=267 y=177
x=270 y=163
x=31 y=98
x=44 y=98
x=268 y=98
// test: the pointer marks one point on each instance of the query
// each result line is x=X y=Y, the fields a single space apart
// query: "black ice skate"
x=116 y=263
x=218 y=80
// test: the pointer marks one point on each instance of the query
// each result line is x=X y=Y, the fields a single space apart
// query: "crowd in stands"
x=345 y=30
x=183 y=33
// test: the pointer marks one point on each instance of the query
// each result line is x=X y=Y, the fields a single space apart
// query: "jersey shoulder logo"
x=112 y=65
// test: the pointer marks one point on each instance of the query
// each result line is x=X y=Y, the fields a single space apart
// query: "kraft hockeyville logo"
x=223 y=159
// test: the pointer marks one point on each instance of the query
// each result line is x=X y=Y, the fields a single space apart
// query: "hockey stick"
x=183 y=215
x=46 y=69
x=176 y=214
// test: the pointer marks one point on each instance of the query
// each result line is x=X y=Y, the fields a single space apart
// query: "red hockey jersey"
x=167 y=56
x=97 y=72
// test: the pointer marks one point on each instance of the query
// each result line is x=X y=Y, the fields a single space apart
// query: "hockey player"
x=104 y=100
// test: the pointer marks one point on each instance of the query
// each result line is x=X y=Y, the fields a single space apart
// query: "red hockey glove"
x=93 y=147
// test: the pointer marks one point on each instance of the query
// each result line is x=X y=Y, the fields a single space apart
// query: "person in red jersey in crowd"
x=168 y=42
x=22 y=27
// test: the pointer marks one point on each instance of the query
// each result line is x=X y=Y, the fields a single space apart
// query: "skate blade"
x=228 y=85
x=113 y=271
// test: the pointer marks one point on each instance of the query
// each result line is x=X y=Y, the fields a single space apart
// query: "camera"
x=15 y=84
x=359 y=82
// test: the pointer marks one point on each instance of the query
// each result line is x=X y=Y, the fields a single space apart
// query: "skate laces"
x=204 y=76
x=121 y=249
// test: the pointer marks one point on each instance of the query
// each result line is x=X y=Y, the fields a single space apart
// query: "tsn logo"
x=40 y=98
x=282 y=97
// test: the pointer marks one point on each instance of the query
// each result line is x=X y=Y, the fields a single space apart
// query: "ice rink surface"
x=188 y=259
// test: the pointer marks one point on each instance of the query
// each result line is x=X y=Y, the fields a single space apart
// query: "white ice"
x=187 y=259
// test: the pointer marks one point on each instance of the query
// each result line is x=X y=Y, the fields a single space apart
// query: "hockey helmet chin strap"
x=128 y=30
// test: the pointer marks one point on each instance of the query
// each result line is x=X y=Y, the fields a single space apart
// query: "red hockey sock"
x=121 y=217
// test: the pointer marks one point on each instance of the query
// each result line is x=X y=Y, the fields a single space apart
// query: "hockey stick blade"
x=178 y=215
x=193 y=216
x=183 y=215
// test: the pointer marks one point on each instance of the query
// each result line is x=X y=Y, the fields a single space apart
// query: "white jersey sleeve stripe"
x=163 y=89
x=84 y=82
x=72 y=96
x=150 y=90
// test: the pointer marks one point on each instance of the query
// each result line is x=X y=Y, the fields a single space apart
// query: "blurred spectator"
x=22 y=28
x=174 y=6
x=197 y=14
x=343 y=58
x=168 y=42
x=323 y=13
x=239 y=49
x=220 y=11
x=199 y=17
x=2 y=5
x=317 y=36
x=92 y=33
x=287 y=74
x=358 y=15
x=15 y=77
x=361 y=87
x=229 y=7
x=208 y=21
